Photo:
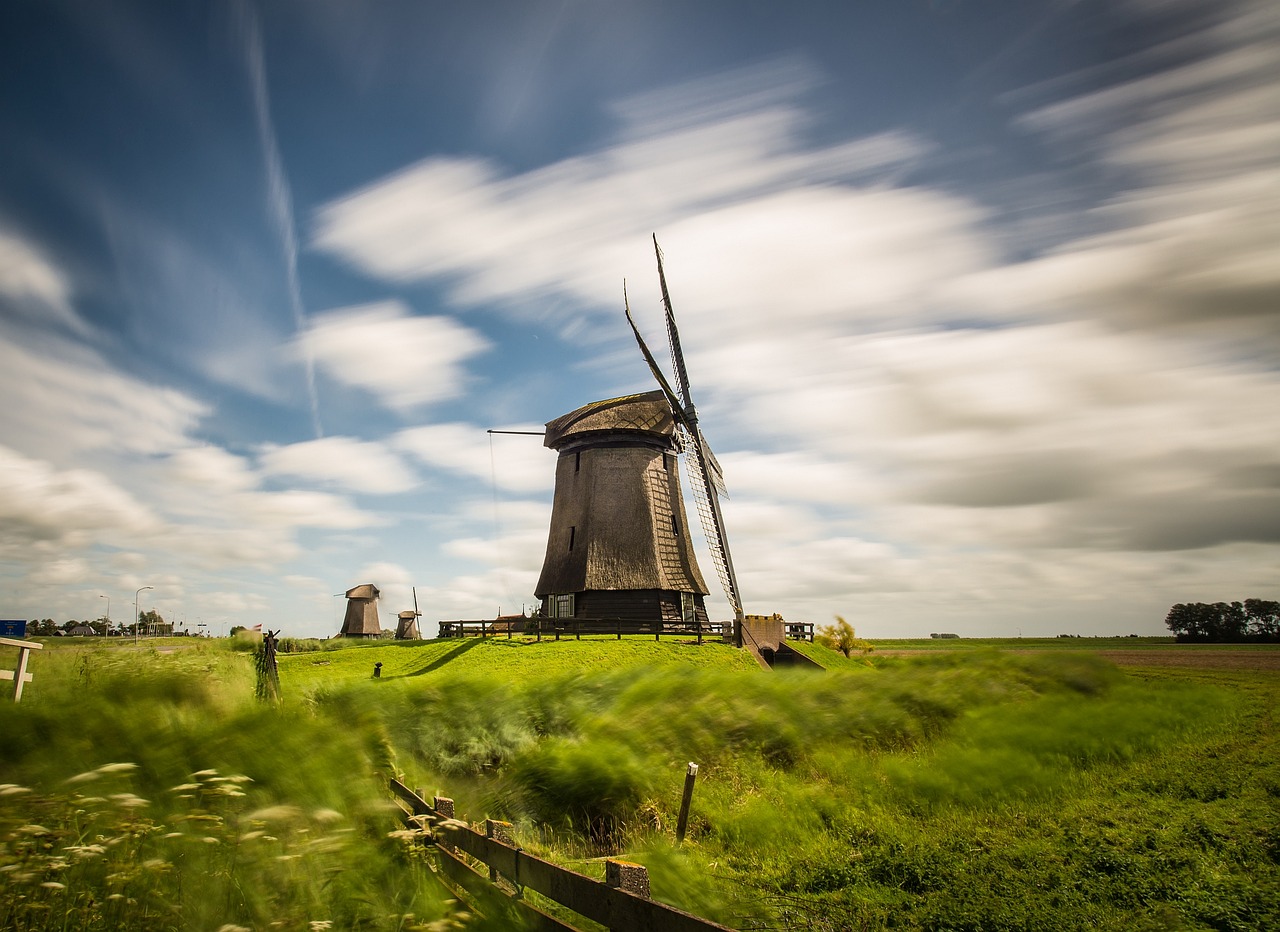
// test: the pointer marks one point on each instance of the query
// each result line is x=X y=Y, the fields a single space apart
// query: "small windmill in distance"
x=705 y=475
x=407 y=627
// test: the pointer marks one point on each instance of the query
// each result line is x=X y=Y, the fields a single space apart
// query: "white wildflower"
x=275 y=814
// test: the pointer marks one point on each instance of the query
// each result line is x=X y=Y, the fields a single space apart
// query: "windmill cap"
x=647 y=414
x=366 y=591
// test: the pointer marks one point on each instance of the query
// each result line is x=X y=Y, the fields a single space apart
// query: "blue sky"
x=979 y=300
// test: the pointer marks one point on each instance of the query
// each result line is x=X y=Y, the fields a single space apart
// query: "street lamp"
x=107 y=630
x=135 y=613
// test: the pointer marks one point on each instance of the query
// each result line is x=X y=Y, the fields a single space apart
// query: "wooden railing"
x=621 y=903
x=799 y=630
x=577 y=627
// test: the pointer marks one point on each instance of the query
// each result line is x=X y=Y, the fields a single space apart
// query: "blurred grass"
x=134 y=790
x=961 y=788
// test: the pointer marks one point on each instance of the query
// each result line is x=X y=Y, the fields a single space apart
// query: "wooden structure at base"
x=619 y=545
x=361 y=620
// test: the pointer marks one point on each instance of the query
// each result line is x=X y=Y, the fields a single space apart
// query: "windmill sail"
x=705 y=475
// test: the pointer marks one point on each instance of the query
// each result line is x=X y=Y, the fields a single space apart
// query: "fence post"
x=627 y=876
x=683 y=821
x=500 y=831
x=443 y=806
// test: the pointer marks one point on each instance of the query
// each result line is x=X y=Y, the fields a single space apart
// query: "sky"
x=980 y=300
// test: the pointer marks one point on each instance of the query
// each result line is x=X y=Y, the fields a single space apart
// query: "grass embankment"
x=503 y=660
x=952 y=789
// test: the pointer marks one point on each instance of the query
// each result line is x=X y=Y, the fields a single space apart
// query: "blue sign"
x=13 y=629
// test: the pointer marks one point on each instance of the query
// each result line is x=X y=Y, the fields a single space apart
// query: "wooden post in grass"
x=683 y=822
x=501 y=832
x=20 y=676
x=443 y=806
x=628 y=876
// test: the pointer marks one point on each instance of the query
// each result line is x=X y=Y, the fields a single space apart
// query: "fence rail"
x=621 y=902
x=577 y=627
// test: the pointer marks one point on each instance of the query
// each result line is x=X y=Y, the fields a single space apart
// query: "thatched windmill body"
x=361 y=620
x=619 y=544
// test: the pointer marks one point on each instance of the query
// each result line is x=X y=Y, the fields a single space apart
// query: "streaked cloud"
x=32 y=286
x=405 y=361
x=344 y=462
x=515 y=464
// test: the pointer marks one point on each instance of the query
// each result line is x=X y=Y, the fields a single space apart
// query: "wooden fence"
x=556 y=627
x=621 y=903
x=20 y=676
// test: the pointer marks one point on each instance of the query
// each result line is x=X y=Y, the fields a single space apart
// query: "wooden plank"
x=25 y=645
x=487 y=898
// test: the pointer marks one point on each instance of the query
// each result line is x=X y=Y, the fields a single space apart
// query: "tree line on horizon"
x=1226 y=622
x=151 y=620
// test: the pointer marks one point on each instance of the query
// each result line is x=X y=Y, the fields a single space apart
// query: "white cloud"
x=570 y=228
x=404 y=360
x=74 y=507
x=85 y=405
x=345 y=462
x=33 y=286
x=519 y=464
x=1193 y=238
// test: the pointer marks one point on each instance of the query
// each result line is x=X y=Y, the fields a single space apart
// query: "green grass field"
x=950 y=784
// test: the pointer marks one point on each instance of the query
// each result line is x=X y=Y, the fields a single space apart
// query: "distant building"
x=944 y=635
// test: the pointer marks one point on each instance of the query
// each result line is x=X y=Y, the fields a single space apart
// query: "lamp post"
x=135 y=613
x=107 y=630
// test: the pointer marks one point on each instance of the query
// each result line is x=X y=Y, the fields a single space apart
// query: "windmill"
x=407 y=625
x=361 y=620
x=705 y=476
x=619 y=546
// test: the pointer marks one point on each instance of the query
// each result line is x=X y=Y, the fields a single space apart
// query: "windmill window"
x=675 y=524
x=577 y=462
x=573 y=532
x=561 y=606
x=687 y=608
